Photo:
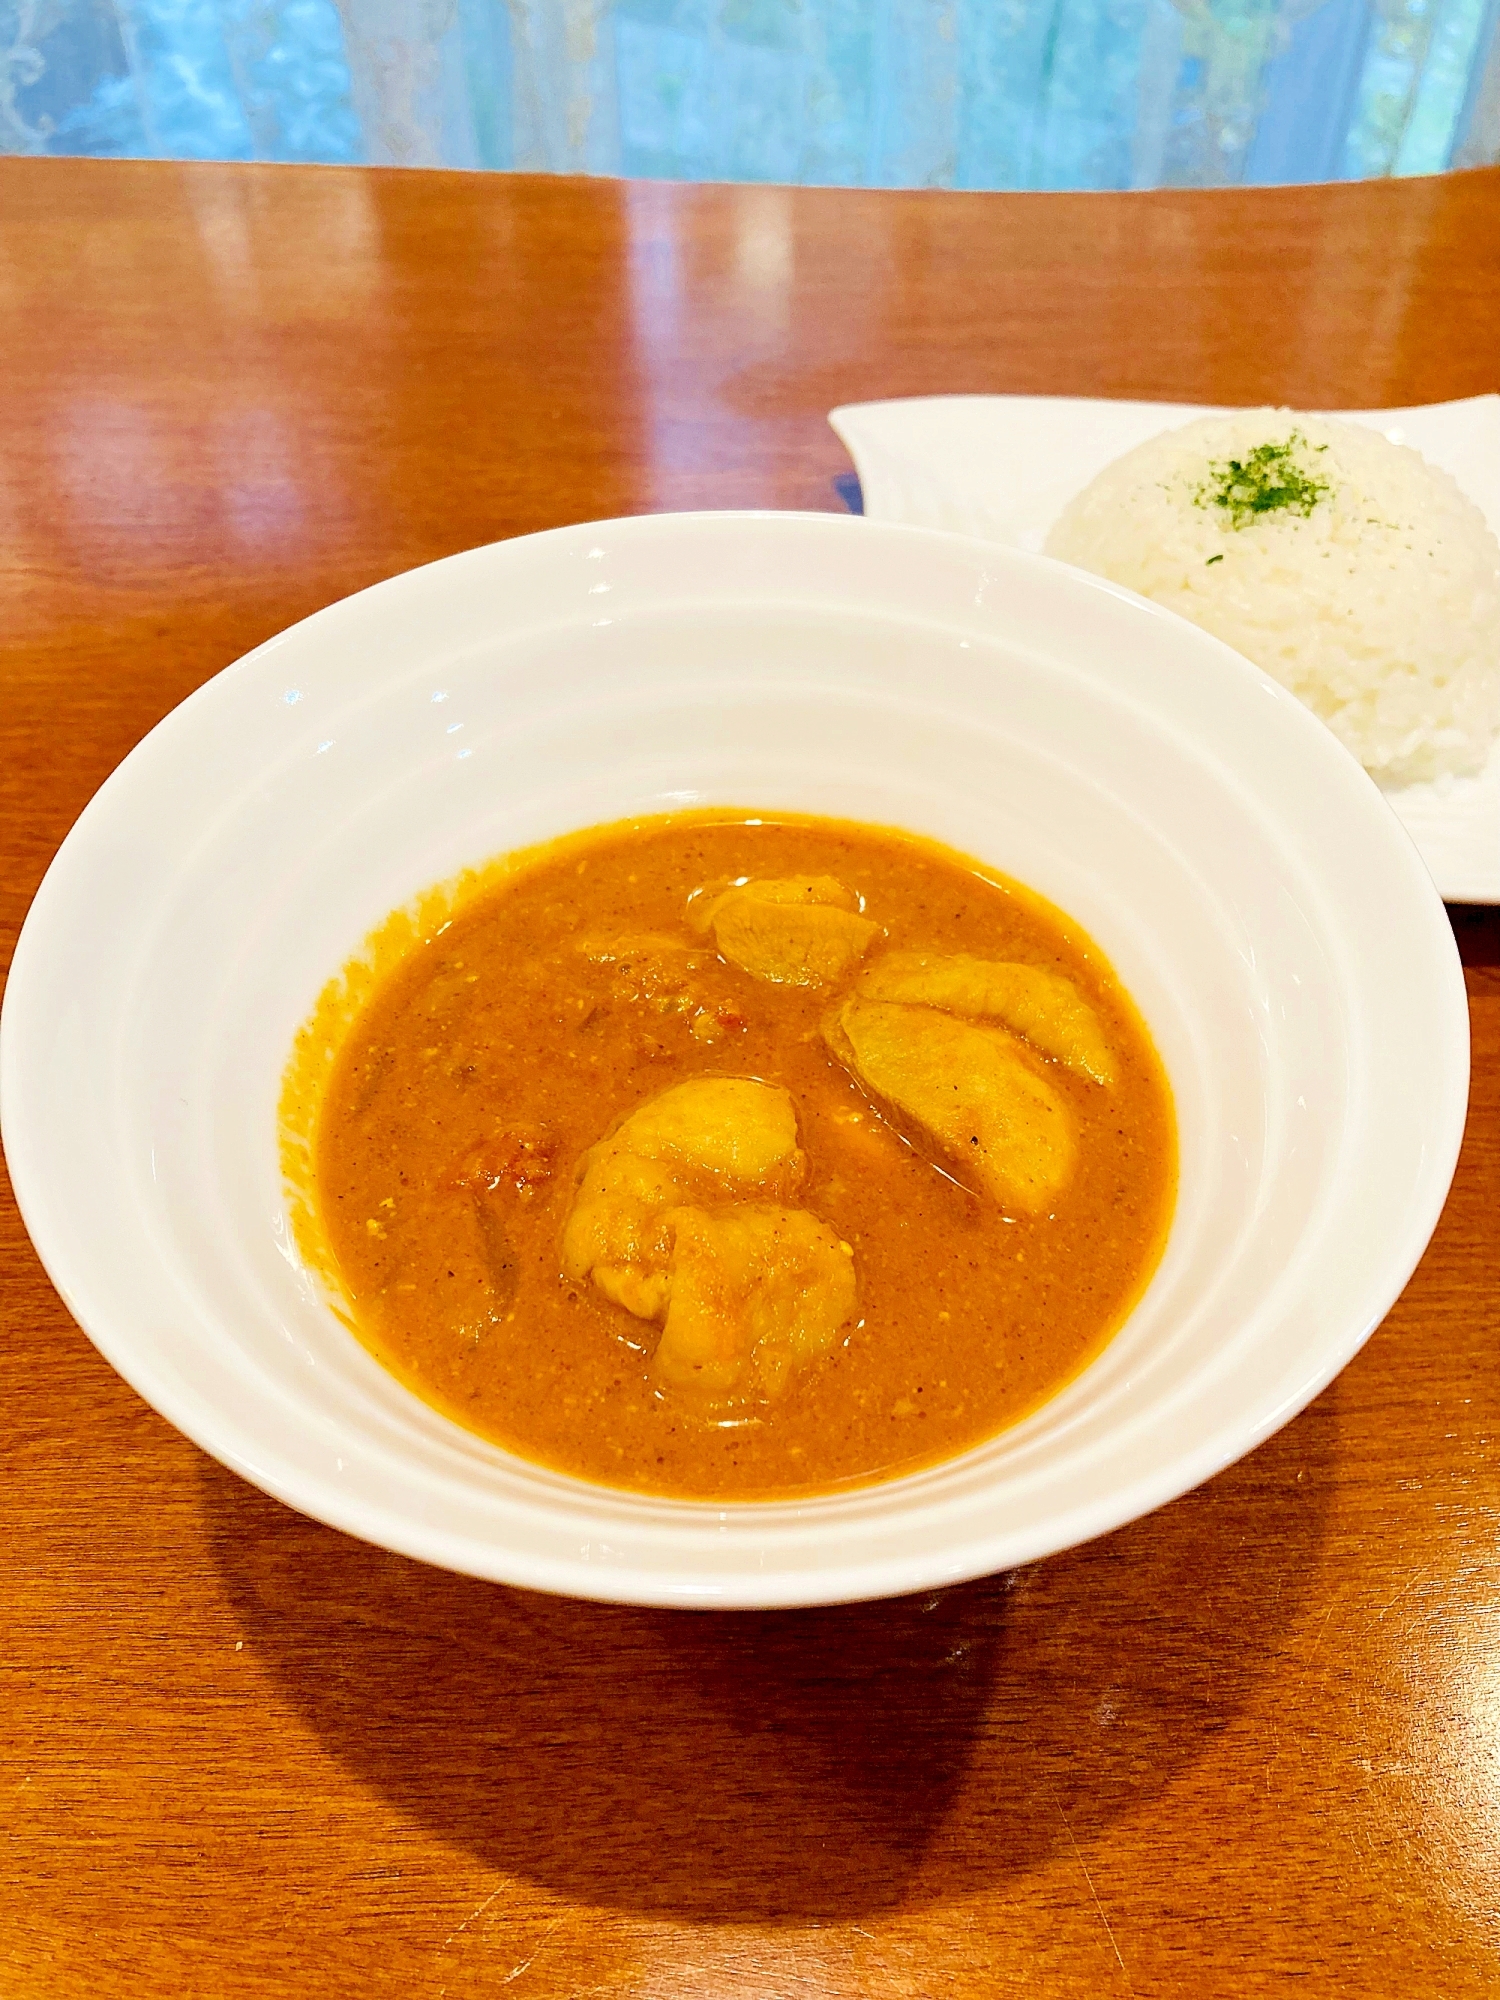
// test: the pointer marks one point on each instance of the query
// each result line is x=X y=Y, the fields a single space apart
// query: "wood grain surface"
x=1248 y=1746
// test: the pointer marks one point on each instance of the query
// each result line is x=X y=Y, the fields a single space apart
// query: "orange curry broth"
x=476 y=1013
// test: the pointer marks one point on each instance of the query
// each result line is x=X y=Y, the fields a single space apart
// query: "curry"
x=732 y=1158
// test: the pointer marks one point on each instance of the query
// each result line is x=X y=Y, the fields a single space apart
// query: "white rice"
x=1364 y=580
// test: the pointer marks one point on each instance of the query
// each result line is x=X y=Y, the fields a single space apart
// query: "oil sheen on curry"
x=732 y=1158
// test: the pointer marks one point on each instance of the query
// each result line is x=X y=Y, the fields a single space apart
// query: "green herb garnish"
x=1268 y=481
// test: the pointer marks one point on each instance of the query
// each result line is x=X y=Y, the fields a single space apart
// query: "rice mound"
x=1346 y=566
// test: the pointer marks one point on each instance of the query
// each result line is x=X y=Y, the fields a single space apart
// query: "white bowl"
x=1253 y=890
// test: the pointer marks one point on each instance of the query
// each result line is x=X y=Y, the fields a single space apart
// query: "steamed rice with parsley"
x=1344 y=565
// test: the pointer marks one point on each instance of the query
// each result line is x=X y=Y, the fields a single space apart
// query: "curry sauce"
x=730 y=1157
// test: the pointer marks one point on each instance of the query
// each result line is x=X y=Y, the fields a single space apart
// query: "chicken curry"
x=732 y=1158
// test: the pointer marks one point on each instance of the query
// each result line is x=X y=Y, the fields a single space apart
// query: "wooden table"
x=1249 y=1746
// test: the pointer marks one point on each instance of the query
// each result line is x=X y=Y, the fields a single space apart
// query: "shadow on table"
x=784 y=1766
x=1476 y=930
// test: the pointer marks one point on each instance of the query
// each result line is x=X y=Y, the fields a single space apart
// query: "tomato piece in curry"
x=732 y=1158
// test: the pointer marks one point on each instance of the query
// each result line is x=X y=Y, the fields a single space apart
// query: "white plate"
x=1005 y=466
x=1275 y=925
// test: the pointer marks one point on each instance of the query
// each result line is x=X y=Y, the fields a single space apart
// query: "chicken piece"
x=1043 y=1006
x=803 y=931
x=714 y=1139
x=645 y=966
x=751 y=1284
x=741 y=1134
x=613 y=1234
x=681 y=1216
x=1005 y=1128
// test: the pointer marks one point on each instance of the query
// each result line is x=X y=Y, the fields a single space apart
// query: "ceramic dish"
x=1271 y=918
x=1005 y=466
